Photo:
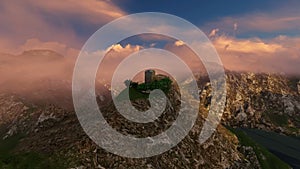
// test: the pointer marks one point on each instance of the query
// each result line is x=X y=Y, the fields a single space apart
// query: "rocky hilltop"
x=264 y=101
x=54 y=136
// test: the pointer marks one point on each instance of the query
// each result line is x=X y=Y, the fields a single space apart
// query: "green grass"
x=297 y=119
x=28 y=160
x=266 y=159
x=280 y=120
x=137 y=91
x=7 y=145
x=277 y=119
x=293 y=129
x=292 y=83
x=133 y=94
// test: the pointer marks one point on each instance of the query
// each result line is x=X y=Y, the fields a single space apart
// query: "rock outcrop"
x=260 y=101
x=253 y=101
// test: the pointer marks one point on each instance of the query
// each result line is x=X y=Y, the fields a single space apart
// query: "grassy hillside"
x=266 y=159
x=29 y=160
x=133 y=94
x=137 y=91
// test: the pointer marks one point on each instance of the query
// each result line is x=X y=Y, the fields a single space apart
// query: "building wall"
x=149 y=76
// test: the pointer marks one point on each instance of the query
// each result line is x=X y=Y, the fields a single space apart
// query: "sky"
x=256 y=36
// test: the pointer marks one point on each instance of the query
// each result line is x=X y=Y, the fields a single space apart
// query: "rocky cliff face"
x=298 y=86
x=257 y=101
x=263 y=101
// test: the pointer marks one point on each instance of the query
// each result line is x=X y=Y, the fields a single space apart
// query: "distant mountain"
x=39 y=128
x=42 y=77
x=260 y=101
x=41 y=54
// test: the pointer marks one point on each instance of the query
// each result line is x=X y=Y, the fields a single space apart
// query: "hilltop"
x=51 y=135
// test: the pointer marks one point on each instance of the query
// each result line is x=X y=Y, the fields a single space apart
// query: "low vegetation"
x=29 y=160
x=266 y=159
x=141 y=91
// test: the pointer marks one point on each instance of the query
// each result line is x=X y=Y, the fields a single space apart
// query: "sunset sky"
x=259 y=36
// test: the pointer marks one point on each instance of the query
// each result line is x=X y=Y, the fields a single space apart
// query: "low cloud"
x=213 y=32
x=113 y=57
x=44 y=76
x=36 y=44
x=179 y=43
x=187 y=55
x=127 y=49
x=235 y=26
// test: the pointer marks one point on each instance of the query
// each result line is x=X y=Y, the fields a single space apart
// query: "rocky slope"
x=256 y=101
x=263 y=101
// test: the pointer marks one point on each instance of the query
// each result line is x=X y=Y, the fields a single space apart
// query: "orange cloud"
x=113 y=57
x=254 y=45
x=127 y=49
x=278 y=55
x=179 y=43
x=213 y=32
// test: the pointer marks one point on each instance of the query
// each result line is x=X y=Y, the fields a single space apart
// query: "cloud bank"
x=61 y=22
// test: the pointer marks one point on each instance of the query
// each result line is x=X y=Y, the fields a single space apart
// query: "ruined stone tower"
x=149 y=76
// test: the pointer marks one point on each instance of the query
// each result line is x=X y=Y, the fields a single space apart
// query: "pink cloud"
x=50 y=21
x=113 y=57
x=188 y=56
x=36 y=44
x=213 y=32
x=91 y=10
x=277 y=55
x=251 y=45
x=258 y=22
x=154 y=37
x=267 y=23
x=45 y=76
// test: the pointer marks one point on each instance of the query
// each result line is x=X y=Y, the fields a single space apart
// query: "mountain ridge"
x=54 y=130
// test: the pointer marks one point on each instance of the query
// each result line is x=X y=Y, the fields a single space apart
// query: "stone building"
x=149 y=76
